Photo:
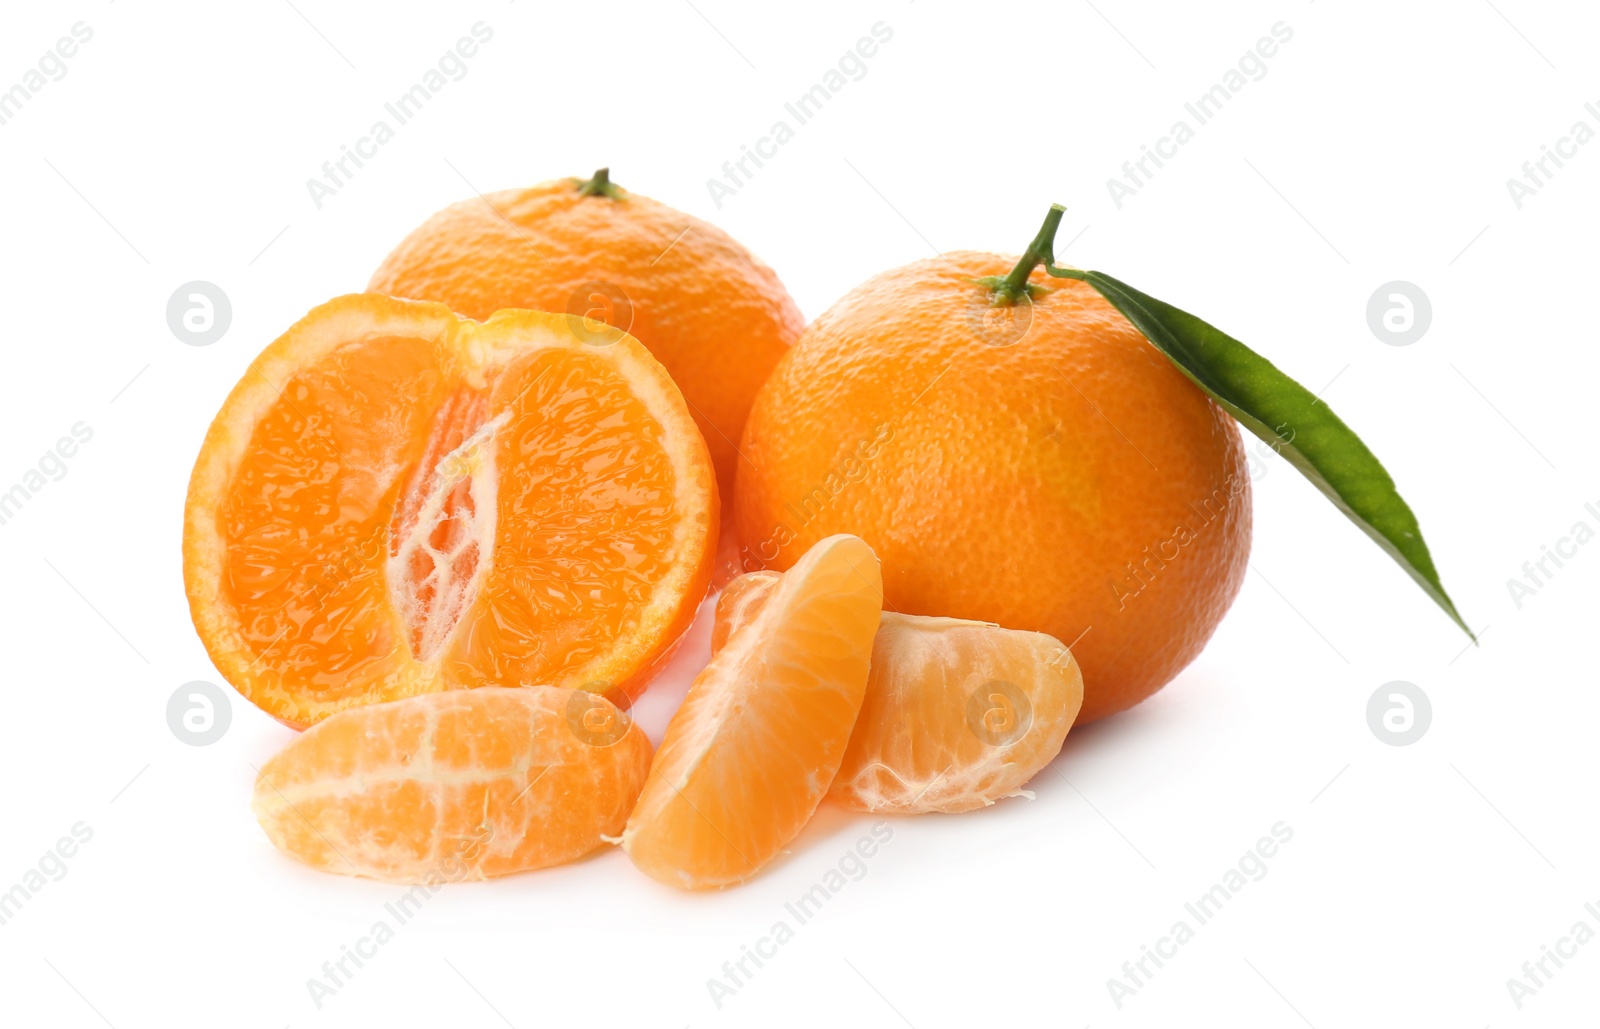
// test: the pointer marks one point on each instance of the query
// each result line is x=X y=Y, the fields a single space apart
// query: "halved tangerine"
x=395 y=500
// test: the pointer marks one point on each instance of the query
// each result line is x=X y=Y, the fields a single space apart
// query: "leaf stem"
x=1014 y=287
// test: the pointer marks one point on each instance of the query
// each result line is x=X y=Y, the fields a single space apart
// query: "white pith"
x=472 y=462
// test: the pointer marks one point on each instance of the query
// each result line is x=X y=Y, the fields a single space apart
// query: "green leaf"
x=1289 y=418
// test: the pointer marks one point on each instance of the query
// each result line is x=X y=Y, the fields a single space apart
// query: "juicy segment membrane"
x=957 y=714
x=395 y=500
x=452 y=786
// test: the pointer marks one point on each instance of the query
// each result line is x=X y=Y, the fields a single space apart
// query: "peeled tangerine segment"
x=957 y=714
x=395 y=500
x=751 y=752
x=467 y=784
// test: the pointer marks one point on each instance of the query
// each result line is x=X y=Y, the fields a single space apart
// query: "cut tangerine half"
x=467 y=784
x=956 y=716
x=751 y=752
x=395 y=500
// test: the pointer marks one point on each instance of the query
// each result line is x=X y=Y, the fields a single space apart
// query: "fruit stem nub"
x=1015 y=286
x=600 y=185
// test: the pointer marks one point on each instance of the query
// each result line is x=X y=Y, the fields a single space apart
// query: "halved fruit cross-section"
x=395 y=500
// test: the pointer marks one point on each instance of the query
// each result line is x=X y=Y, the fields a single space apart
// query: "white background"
x=1377 y=147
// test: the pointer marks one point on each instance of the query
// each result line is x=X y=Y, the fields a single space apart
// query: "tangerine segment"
x=739 y=602
x=465 y=784
x=751 y=752
x=957 y=714
x=395 y=500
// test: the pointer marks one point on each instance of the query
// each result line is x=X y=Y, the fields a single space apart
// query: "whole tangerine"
x=1040 y=466
x=714 y=315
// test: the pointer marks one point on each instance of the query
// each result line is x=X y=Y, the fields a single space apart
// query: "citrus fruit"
x=394 y=500
x=957 y=714
x=465 y=784
x=1041 y=467
x=749 y=755
x=739 y=602
x=713 y=314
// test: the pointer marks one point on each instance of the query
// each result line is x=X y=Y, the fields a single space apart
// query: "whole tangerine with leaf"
x=1047 y=449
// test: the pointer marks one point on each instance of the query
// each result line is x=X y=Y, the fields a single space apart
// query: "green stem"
x=1040 y=251
x=600 y=186
x=1015 y=286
